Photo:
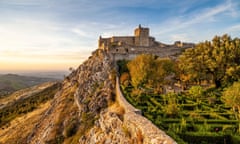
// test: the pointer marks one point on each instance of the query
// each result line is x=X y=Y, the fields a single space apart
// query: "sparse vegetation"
x=126 y=131
x=26 y=105
x=67 y=123
x=71 y=128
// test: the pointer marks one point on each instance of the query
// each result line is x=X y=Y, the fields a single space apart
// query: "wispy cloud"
x=181 y=36
x=234 y=28
x=200 y=24
x=64 y=29
x=206 y=15
x=234 y=8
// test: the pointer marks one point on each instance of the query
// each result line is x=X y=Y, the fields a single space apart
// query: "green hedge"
x=235 y=139
x=203 y=138
x=209 y=121
x=204 y=123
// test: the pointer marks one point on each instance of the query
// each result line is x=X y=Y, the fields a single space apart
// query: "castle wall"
x=129 y=53
x=103 y=43
x=127 y=40
x=151 y=41
x=129 y=46
x=142 y=41
x=135 y=121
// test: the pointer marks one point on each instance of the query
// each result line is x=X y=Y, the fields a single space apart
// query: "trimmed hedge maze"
x=187 y=120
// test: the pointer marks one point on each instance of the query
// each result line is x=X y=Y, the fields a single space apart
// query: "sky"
x=50 y=35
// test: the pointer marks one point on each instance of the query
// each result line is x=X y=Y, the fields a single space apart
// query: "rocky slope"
x=87 y=110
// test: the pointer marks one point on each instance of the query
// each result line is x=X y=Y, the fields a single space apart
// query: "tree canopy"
x=149 y=71
x=231 y=97
x=217 y=61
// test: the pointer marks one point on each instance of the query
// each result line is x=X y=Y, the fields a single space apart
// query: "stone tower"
x=141 y=36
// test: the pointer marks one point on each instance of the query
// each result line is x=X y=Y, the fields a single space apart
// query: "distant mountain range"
x=13 y=82
x=46 y=74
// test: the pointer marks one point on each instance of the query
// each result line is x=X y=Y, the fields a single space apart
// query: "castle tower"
x=141 y=36
x=100 y=42
x=103 y=43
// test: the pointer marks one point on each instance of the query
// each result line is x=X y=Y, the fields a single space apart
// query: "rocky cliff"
x=89 y=109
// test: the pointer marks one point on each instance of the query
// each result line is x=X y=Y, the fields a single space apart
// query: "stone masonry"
x=128 y=47
x=134 y=120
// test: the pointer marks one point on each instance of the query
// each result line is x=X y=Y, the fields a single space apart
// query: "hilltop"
x=10 y=83
x=85 y=109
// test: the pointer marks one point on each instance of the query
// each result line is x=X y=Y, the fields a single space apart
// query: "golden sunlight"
x=36 y=64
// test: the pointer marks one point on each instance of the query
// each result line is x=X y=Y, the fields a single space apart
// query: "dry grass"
x=20 y=127
x=139 y=137
x=24 y=93
x=66 y=112
x=116 y=108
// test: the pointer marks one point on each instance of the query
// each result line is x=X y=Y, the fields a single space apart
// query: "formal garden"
x=195 y=98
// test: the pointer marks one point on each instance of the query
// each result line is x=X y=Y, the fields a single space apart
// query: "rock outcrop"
x=118 y=122
x=90 y=109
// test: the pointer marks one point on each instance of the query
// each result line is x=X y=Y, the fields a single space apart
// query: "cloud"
x=34 y=34
x=81 y=32
x=182 y=37
x=234 y=28
x=200 y=24
x=17 y=2
x=44 y=29
x=204 y=16
x=234 y=8
x=35 y=41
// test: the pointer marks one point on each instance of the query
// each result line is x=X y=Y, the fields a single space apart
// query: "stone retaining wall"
x=136 y=123
x=131 y=53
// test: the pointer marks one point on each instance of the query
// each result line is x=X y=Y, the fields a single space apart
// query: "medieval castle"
x=128 y=47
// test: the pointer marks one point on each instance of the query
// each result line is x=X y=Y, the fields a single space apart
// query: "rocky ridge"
x=89 y=110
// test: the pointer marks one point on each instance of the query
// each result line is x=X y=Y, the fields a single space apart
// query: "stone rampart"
x=135 y=122
x=123 y=102
x=130 y=53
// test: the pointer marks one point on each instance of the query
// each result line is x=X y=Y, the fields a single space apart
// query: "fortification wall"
x=151 y=41
x=136 y=122
x=129 y=53
x=128 y=40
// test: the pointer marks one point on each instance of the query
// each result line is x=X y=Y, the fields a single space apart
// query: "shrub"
x=125 y=79
x=209 y=138
x=71 y=128
x=122 y=66
x=235 y=139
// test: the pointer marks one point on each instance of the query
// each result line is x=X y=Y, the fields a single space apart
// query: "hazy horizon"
x=42 y=74
x=33 y=71
x=31 y=65
x=43 y=35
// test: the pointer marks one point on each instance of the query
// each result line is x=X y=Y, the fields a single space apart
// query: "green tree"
x=196 y=92
x=125 y=79
x=140 y=69
x=231 y=97
x=171 y=104
x=217 y=61
x=149 y=71
x=122 y=66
